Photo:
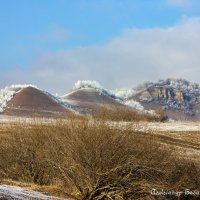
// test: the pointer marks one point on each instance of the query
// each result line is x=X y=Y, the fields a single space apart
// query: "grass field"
x=97 y=159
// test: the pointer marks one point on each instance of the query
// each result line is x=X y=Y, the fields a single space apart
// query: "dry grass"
x=127 y=114
x=92 y=161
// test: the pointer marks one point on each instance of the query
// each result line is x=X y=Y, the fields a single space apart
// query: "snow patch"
x=125 y=93
x=87 y=84
x=14 y=192
x=136 y=105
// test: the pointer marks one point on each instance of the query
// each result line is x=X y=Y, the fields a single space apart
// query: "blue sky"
x=53 y=43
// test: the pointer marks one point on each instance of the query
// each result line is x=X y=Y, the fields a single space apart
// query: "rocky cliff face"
x=177 y=94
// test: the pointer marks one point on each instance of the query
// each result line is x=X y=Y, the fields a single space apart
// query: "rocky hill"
x=178 y=95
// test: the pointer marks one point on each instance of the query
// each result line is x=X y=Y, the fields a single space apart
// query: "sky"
x=119 y=43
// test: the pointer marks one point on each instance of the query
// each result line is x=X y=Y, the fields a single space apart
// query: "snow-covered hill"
x=119 y=95
x=87 y=84
x=9 y=92
x=30 y=100
x=177 y=94
x=170 y=94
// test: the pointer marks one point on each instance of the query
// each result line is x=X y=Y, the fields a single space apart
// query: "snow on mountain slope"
x=9 y=92
x=178 y=94
x=137 y=106
x=60 y=102
x=170 y=94
x=124 y=93
x=88 y=88
x=21 y=99
x=134 y=104
x=175 y=94
x=88 y=84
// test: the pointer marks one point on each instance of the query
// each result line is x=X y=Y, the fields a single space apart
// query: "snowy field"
x=173 y=126
x=140 y=126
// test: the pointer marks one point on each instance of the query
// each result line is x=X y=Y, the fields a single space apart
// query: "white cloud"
x=137 y=55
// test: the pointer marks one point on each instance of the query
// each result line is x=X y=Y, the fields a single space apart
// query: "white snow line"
x=19 y=193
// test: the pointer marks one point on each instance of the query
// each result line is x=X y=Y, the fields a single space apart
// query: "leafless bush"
x=92 y=160
x=127 y=114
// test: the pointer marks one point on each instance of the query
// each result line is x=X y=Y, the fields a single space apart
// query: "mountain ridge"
x=171 y=94
x=179 y=98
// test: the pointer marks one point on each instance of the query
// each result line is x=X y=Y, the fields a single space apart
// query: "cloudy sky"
x=119 y=43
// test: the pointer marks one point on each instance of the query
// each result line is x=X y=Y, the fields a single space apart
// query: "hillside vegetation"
x=115 y=113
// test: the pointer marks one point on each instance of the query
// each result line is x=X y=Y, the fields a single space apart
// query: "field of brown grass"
x=83 y=160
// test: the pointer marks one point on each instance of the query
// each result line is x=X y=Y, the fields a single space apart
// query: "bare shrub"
x=127 y=114
x=93 y=160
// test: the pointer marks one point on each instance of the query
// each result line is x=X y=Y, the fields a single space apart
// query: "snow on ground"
x=14 y=192
x=141 y=126
x=5 y=119
x=156 y=126
x=175 y=126
x=170 y=126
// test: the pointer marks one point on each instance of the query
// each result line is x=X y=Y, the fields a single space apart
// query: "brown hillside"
x=33 y=102
x=90 y=100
